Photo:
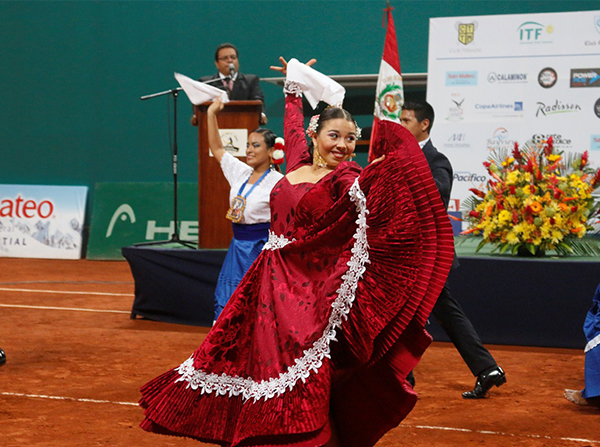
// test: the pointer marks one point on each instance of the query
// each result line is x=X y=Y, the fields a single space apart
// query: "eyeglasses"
x=230 y=58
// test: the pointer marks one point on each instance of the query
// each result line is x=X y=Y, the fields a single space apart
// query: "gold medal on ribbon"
x=236 y=210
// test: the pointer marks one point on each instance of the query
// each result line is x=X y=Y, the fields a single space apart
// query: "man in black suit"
x=418 y=119
x=239 y=86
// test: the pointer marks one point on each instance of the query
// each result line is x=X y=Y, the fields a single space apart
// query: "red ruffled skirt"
x=326 y=324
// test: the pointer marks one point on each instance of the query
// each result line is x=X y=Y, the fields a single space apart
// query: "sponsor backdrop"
x=41 y=221
x=128 y=213
x=494 y=80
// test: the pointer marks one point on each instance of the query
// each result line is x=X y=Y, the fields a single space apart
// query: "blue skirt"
x=591 y=327
x=246 y=245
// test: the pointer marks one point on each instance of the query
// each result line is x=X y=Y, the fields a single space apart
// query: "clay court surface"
x=76 y=361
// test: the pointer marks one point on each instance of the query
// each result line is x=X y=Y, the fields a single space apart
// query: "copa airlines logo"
x=507 y=78
x=534 y=33
x=558 y=107
x=472 y=177
x=26 y=208
x=516 y=106
x=585 y=77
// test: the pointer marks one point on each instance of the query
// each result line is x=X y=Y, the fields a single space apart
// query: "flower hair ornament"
x=278 y=154
x=311 y=131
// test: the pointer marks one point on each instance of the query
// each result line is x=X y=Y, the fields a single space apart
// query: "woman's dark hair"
x=330 y=113
x=269 y=137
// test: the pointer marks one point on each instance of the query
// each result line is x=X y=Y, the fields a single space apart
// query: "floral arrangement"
x=537 y=200
x=279 y=152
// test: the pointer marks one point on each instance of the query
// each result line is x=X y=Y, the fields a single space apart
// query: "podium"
x=214 y=230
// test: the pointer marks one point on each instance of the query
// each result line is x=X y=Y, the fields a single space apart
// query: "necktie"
x=228 y=83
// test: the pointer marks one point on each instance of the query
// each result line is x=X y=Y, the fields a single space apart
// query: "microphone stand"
x=175 y=236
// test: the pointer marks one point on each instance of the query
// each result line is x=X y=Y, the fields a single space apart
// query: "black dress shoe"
x=485 y=381
x=2 y=357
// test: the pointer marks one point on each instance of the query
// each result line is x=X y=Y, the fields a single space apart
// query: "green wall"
x=72 y=72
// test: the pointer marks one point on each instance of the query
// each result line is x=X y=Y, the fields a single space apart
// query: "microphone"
x=231 y=70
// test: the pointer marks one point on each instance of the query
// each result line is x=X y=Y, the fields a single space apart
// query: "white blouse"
x=257 y=203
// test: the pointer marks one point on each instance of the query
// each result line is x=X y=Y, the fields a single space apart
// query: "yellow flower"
x=504 y=217
x=512 y=238
x=553 y=157
x=557 y=236
x=512 y=177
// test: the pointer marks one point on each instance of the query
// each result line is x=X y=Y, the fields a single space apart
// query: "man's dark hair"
x=422 y=110
x=225 y=45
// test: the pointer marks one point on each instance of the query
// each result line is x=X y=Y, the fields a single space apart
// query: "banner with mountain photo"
x=38 y=221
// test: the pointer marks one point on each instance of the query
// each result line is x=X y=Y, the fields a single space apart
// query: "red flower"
x=549 y=146
x=477 y=192
x=596 y=180
x=512 y=189
x=574 y=208
x=515 y=217
x=516 y=153
x=584 y=159
x=552 y=221
x=538 y=175
x=475 y=214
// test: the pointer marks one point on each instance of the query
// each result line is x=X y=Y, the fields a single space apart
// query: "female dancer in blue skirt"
x=251 y=184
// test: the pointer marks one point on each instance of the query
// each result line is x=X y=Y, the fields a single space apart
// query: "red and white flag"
x=389 y=95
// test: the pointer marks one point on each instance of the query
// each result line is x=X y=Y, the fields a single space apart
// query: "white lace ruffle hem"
x=312 y=360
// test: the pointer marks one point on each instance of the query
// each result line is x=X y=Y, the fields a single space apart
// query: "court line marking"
x=499 y=433
x=425 y=427
x=66 y=292
x=24 y=306
x=73 y=399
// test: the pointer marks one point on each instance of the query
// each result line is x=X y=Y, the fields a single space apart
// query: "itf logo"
x=595 y=143
x=534 y=32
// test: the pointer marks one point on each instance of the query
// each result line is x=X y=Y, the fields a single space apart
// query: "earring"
x=318 y=159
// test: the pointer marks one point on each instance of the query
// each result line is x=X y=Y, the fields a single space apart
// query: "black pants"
x=455 y=323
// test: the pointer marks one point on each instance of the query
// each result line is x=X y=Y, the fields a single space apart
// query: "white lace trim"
x=292 y=88
x=592 y=343
x=276 y=242
x=312 y=359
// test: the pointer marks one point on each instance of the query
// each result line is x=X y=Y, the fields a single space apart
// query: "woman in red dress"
x=322 y=331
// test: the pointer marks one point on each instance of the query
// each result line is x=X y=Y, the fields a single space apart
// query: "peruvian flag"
x=389 y=96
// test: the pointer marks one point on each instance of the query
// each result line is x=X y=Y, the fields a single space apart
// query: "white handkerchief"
x=315 y=85
x=199 y=92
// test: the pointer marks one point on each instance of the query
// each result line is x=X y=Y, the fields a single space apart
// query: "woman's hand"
x=216 y=106
x=283 y=68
